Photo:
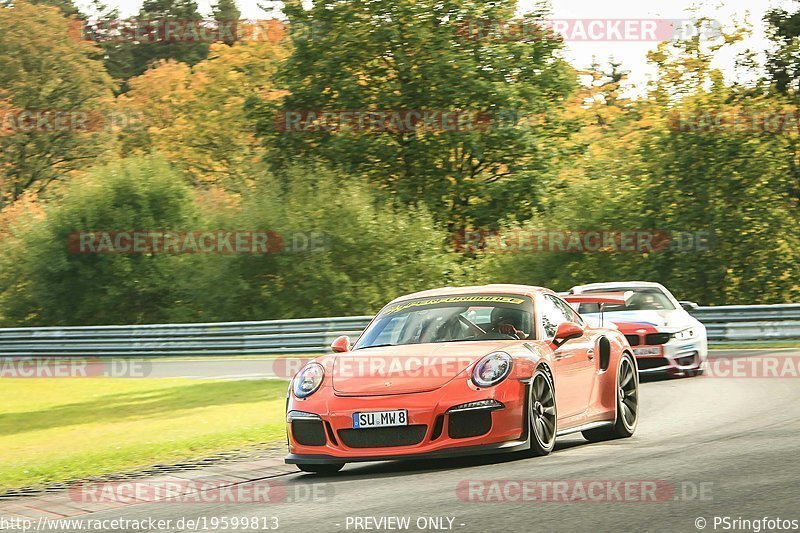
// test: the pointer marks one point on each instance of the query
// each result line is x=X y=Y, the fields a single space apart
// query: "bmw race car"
x=665 y=338
x=460 y=371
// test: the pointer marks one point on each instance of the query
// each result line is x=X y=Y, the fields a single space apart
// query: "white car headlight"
x=308 y=380
x=686 y=334
x=491 y=369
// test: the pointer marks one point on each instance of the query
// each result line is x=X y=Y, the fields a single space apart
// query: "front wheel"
x=320 y=469
x=627 y=405
x=543 y=419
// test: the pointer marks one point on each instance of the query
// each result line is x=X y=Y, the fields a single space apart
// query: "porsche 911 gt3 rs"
x=460 y=371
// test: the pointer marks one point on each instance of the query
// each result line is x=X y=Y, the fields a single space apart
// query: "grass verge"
x=754 y=345
x=54 y=430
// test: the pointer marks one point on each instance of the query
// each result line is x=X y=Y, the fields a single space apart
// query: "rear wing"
x=601 y=298
x=616 y=298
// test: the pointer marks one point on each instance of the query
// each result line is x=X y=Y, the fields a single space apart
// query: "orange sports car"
x=462 y=371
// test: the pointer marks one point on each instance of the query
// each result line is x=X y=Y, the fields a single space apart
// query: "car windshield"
x=470 y=317
x=643 y=299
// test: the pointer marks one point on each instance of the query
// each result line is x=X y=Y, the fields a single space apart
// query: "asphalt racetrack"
x=714 y=447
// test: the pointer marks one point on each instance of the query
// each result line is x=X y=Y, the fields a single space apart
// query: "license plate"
x=380 y=419
x=654 y=350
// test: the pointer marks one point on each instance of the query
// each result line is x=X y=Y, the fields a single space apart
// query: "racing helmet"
x=516 y=317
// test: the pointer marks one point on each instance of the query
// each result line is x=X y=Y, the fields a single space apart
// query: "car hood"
x=667 y=319
x=405 y=369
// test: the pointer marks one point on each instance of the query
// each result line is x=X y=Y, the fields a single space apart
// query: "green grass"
x=233 y=357
x=200 y=357
x=54 y=430
x=754 y=345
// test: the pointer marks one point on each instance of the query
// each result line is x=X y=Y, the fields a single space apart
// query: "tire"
x=320 y=469
x=542 y=414
x=627 y=405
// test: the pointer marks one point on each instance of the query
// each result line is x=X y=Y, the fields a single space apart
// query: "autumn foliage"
x=184 y=138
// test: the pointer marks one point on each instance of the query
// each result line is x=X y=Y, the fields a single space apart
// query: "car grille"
x=308 y=432
x=657 y=338
x=633 y=340
x=648 y=363
x=383 y=437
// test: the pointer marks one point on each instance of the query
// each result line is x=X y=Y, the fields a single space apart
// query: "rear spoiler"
x=616 y=298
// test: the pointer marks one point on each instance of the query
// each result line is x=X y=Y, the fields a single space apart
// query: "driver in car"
x=645 y=302
x=511 y=322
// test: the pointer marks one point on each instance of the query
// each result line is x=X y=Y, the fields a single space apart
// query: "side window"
x=569 y=312
x=554 y=312
x=550 y=316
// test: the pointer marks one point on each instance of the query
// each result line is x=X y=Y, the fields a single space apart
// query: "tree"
x=126 y=58
x=44 y=74
x=407 y=56
x=693 y=159
x=198 y=118
x=711 y=163
x=783 y=74
x=226 y=13
x=67 y=7
x=45 y=282
x=336 y=236
x=783 y=62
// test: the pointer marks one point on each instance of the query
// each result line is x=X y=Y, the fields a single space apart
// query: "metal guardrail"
x=306 y=335
x=730 y=324
x=750 y=323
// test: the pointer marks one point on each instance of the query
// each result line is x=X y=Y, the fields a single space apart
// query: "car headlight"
x=491 y=369
x=308 y=380
x=685 y=334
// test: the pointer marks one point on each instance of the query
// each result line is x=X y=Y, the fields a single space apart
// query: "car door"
x=574 y=360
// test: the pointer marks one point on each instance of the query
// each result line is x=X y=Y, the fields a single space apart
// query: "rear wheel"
x=543 y=419
x=320 y=469
x=627 y=405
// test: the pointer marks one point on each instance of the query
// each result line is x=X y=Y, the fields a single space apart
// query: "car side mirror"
x=341 y=344
x=567 y=331
x=689 y=306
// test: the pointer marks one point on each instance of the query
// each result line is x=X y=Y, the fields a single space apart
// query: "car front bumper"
x=462 y=451
x=323 y=433
x=675 y=357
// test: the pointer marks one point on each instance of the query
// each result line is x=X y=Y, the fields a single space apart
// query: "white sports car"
x=665 y=338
